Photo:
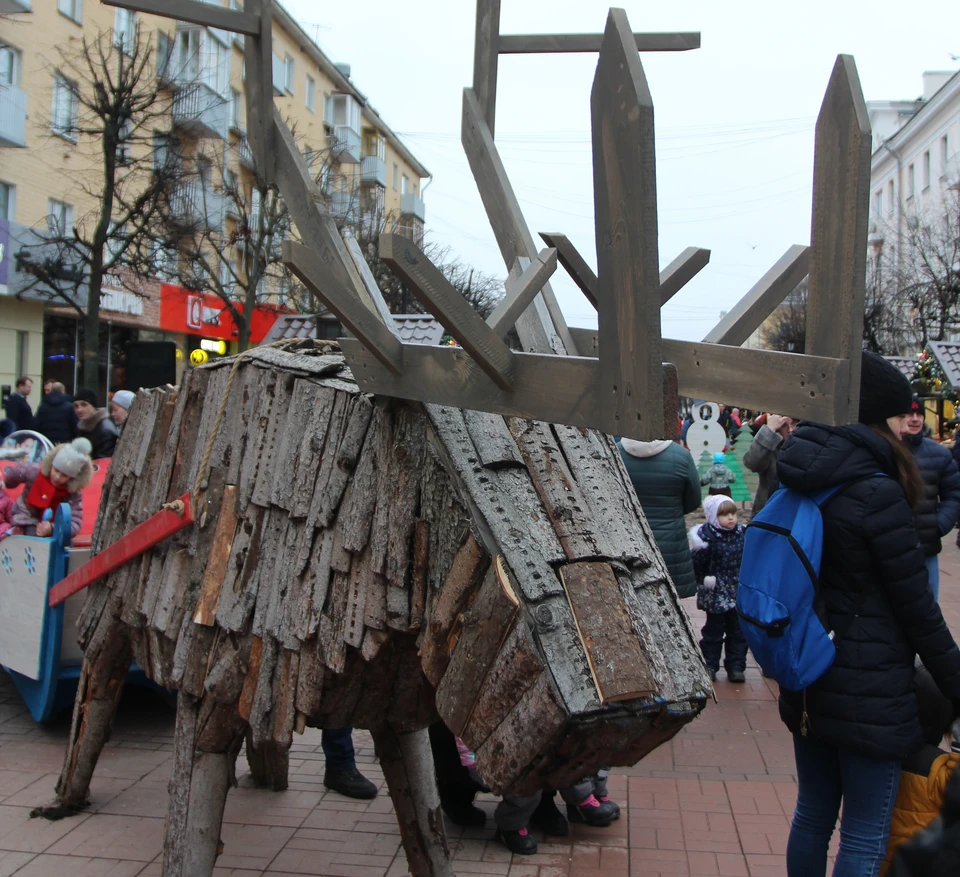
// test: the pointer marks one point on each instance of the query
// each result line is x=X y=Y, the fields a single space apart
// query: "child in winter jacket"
x=717 y=547
x=718 y=477
x=925 y=774
x=59 y=477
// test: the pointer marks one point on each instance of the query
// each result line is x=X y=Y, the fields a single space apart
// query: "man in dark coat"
x=936 y=514
x=668 y=487
x=94 y=424
x=56 y=418
x=18 y=408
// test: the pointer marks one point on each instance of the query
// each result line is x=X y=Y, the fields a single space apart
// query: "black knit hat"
x=85 y=395
x=884 y=391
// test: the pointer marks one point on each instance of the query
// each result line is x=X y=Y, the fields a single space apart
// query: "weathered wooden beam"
x=520 y=44
x=258 y=61
x=485 y=56
x=369 y=281
x=557 y=389
x=521 y=291
x=763 y=298
x=804 y=386
x=242 y=21
x=542 y=328
x=672 y=279
x=322 y=282
x=681 y=271
x=574 y=264
x=838 y=235
x=443 y=300
x=625 y=198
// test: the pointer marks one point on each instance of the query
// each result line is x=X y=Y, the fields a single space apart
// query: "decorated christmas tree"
x=740 y=448
x=739 y=490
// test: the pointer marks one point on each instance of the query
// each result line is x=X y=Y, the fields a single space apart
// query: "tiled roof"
x=418 y=329
x=292 y=326
x=413 y=328
x=947 y=354
x=906 y=364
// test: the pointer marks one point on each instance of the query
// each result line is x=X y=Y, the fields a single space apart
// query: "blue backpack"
x=778 y=596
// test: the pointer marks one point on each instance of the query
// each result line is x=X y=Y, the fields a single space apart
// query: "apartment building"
x=367 y=174
x=915 y=167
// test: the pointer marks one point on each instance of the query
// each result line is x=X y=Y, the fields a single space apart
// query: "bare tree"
x=109 y=100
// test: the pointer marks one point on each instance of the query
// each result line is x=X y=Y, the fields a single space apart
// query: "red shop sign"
x=197 y=313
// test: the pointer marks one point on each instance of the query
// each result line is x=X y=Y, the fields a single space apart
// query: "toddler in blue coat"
x=717 y=547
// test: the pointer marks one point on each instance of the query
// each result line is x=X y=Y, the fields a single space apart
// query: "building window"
x=911 y=182
x=161 y=151
x=288 y=74
x=944 y=154
x=124 y=138
x=396 y=176
x=72 y=9
x=8 y=198
x=878 y=203
x=9 y=66
x=164 y=54
x=891 y=197
x=124 y=29
x=404 y=185
x=926 y=170
x=311 y=94
x=235 y=99
x=64 y=115
x=59 y=216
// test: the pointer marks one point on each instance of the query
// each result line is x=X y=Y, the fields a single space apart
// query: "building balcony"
x=13 y=116
x=344 y=206
x=197 y=108
x=412 y=205
x=8 y=7
x=245 y=153
x=198 y=207
x=373 y=171
x=345 y=145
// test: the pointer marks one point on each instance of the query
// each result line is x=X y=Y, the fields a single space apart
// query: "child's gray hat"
x=71 y=458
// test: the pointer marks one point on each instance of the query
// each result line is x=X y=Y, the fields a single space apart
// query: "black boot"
x=736 y=676
x=548 y=818
x=350 y=782
x=518 y=842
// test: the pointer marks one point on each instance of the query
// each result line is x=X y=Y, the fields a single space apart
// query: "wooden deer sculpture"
x=391 y=533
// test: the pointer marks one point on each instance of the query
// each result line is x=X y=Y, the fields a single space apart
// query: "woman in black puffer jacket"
x=856 y=723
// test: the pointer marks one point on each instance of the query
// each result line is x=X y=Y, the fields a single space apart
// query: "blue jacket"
x=56 y=418
x=720 y=558
x=936 y=514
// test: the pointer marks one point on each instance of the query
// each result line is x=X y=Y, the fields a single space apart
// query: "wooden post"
x=269 y=764
x=258 y=57
x=407 y=763
x=838 y=235
x=485 y=57
x=625 y=195
x=101 y=681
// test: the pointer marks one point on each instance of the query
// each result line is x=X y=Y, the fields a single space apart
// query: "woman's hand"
x=44 y=528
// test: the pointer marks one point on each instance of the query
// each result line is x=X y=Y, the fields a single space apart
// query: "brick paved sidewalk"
x=715 y=801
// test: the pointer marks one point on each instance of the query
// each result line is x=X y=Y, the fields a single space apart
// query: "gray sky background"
x=735 y=119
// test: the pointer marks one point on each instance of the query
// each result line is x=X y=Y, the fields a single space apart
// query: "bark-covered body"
x=369 y=563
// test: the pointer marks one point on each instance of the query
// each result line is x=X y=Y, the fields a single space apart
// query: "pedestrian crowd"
x=877 y=499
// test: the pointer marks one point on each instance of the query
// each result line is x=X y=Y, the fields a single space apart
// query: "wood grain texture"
x=513 y=44
x=521 y=291
x=485 y=58
x=258 y=60
x=763 y=298
x=618 y=663
x=369 y=281
x=206 y=611
x=574 y=264
x=491 y=437
x=625 y=199
x=838 y=235
x=444 y=301
x=235 y=20
x=681 y=271
x=372 y=332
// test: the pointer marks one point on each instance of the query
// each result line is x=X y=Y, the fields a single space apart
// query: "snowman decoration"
x=705 y=433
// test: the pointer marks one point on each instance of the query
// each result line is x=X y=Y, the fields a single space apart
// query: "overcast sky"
x=734 y=119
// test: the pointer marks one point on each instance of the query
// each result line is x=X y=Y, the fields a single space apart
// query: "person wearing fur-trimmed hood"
x=59 y=477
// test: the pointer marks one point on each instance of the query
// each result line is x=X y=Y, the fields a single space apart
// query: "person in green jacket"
x=668 y=487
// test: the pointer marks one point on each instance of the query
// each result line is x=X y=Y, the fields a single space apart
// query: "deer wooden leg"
x=101 y=682
x=198 y=793
x=269 y=764
x=407 y=763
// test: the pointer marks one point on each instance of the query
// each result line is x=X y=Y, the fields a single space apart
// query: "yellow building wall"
x=21 y=316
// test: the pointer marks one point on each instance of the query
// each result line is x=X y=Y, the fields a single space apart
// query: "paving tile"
x=20 y=833
x=11 y=862
x=46 y=865
x=102 y=835
x=251 y=847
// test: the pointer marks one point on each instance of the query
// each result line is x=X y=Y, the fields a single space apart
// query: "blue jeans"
x=867 y=786
x=338 y=748
x=933 y=573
